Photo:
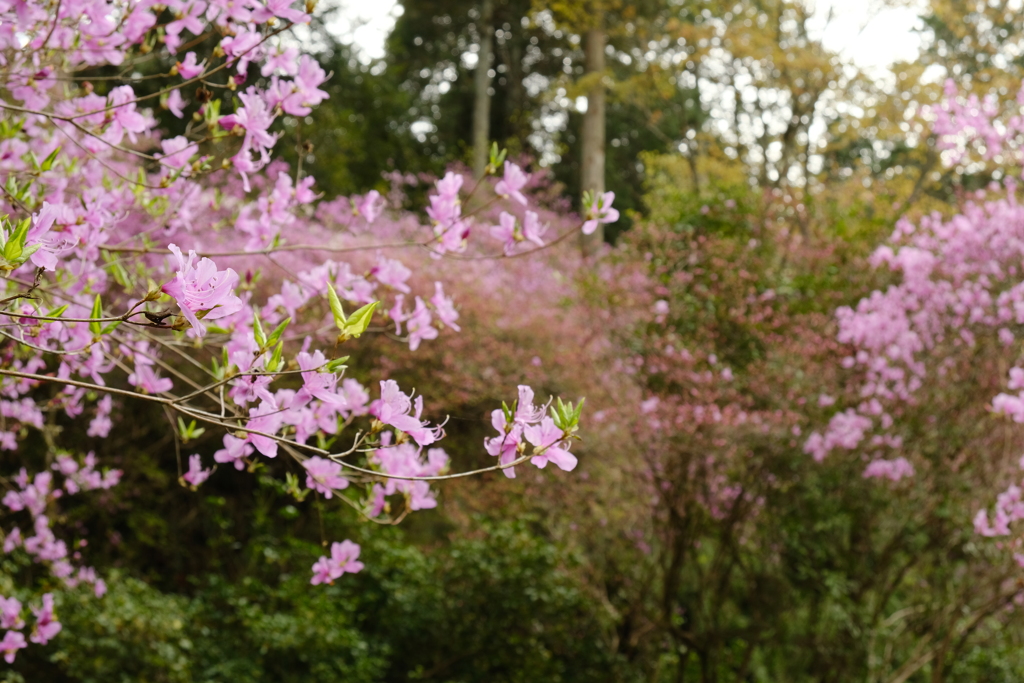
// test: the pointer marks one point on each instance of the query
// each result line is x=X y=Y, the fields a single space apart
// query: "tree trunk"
x=481 y=88
x=593 y=134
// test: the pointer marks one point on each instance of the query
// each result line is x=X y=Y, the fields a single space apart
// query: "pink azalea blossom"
x=47 y=626
x=146 y=380
x=10 y=613
x=506 y=231
x=324 y=476
x=175 y=103
x=513 y=182
x=266 y=419
x=370 y=206
x=189 y=69
x=547 y=443
x=235 y=451
x=202 y=289
x=533 y=231
x=13 y=540
x=393 y=407
x=445 y=308
x=189 y=19
x=279 y=8
x=600 y=211
x=12 y=642
x=506 y=445
x=418 y=325
x=344 y=559
x=196 y=475
x=285 y=59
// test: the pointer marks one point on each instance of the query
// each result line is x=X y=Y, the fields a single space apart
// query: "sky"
x=871 y=35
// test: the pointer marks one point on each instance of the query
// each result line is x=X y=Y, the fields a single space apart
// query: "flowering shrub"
x=953 y=317
x=133 y=270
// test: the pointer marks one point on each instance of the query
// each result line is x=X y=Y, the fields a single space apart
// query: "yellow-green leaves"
x=351 y=326
x=97 y=313
x=566 y=417
x=12 y=243
x=265 y=343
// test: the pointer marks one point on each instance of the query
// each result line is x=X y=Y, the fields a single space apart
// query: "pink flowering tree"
x=197 y=273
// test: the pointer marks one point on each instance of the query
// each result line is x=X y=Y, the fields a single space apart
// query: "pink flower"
x=547 y=444
x=189 y=69
x=126 y=117
x=513 y=182
x=344 y=559
x=392 y=273
x=284 y=58
x=196 y=475
x=146 y=380
x=445 y=309
x=526 y=412
x=47 y=625
x=533 y=231
x=176 y=152
x=324 y=476
x=506 y=231
x=50 y=231
x=279 y=8
x=265 y=418
x=305 y=89
x=13 y=539
x=506 y=445
x=894 y=470
x=418 y=325
x=189 y=19
x=316 y=384
x=235 y=451
x=600 y=211
x=243 y=47
x=10 y=613
x=100 y=425
x=202 y=289
x=370 y=206
x=392 y=408
x=255 y=118
x=175 y=103
x=12 y=642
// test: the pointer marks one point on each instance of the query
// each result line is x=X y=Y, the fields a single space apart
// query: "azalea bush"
x=197 y=274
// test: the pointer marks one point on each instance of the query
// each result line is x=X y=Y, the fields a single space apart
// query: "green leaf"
x=278 y=332
x=276 y=363
x=48 y=162
x=336 y=310
x=257 y=330
x=14 y=249
x=336 y=364
x=97 y=312
x=359 y=321
x=29 y=251
x=57 y=312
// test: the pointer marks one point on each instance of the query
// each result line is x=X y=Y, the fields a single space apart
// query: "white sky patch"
x=871 y=33
x=364 y=23
x=868 y=32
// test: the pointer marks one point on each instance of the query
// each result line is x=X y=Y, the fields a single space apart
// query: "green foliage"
x=496 y=608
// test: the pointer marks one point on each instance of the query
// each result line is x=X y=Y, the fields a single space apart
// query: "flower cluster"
x=525 y=425
x=192 y=272
x=344 y=559
x=45 y=629
x=35 y=495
